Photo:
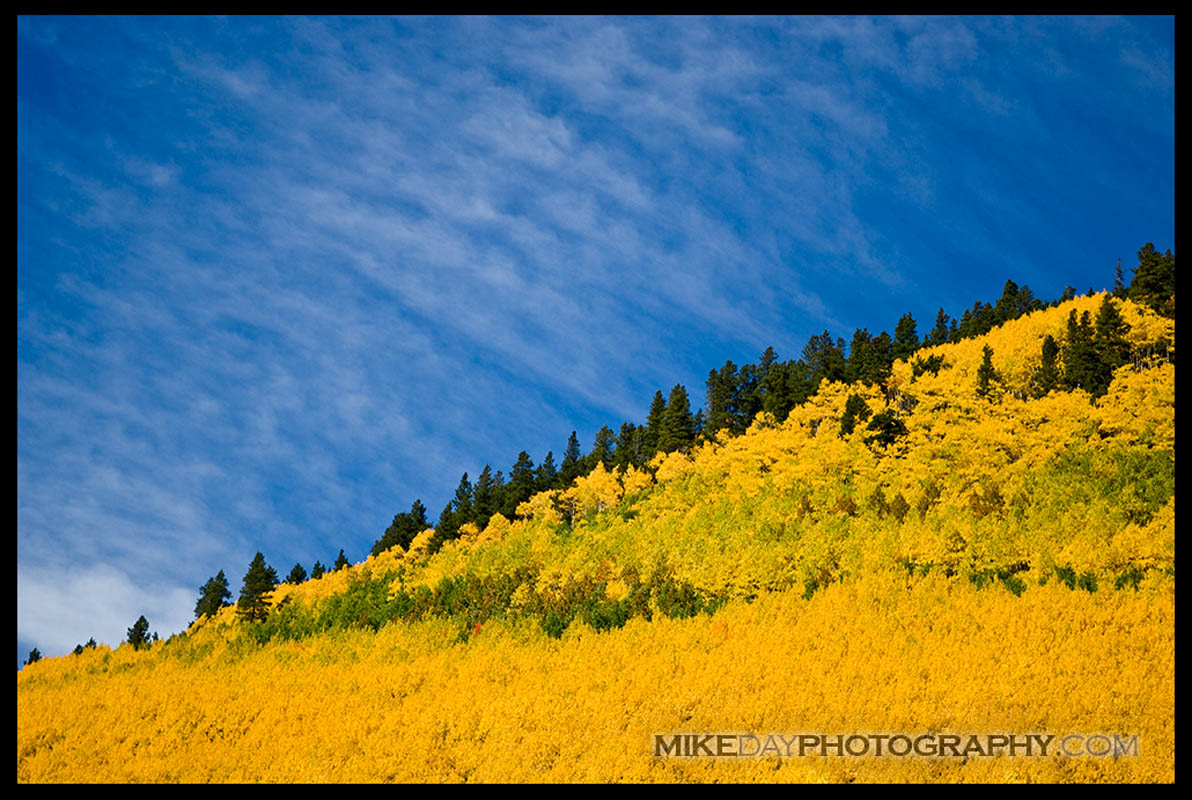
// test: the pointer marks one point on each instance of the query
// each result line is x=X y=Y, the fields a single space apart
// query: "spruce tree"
x=855 y=408
x=213 y=595
x=569 y=470
x=318 y=570
x=1082 y=367
x=678 y=426
x=341 y=561
x=297 y=574
x=403 y=529
x=1109 y=340
x=906 y=338
x=824 y=358
x=938 y=334
x=654 y=425
x=257 y=590
x=602 y=449
x=1153 y=283
x=548 y=475
x=138 y=634
x=1048 y=375
x=721 y=397
x=520 y=488
x=625 y=455
x=34 y=657
x=986 y=372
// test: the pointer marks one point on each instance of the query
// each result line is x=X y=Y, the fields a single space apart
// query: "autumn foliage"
x=986 y=556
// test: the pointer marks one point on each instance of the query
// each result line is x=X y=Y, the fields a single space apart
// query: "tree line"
x=734 y=396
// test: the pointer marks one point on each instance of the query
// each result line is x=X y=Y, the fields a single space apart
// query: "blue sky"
x=277 y=278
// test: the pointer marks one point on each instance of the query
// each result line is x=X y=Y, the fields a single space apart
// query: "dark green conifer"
x=985 y=373
x=297 y=574
x=906 y=338
x=213 y=595
x=257 y=590
x=138 y=634
x=678 y=426
x=1048 y=375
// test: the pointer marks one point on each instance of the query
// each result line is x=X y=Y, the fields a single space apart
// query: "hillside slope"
x=975 y=565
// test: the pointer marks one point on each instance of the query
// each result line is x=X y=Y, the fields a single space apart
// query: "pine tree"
x=520 y=488
x=986 y=372
x=341 y=561
x=1154 y=280
x=625 y=455
x=318 y=570
x=569 y=470
x=938 y=334
x=602 y=449
x=213 y=595
x=1048 y=376
x=678 y=426
x=906 y=338
x=855 y=408
x=1109 y=340
x=721 y=397
x=1082 y=367
x=548 y=475
x=257 y=590
x=824 y=358
x=78 y=651
x=1119 y=282
x=297 y=574
x=138 y=634
x=403 y=529
x=34 y=657
x=654 y=425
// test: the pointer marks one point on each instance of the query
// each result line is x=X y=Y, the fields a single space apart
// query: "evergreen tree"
x=654 y=424
x=627 y=453
x=678 y=426
x=548 y=475
x=318 y=570
x=824 y=358
x=1109 y=339
x=906 y=338
x=886 y=427
x=138 y=634
x=520 y=488
x=721 y=398
x=78 y=651
x=855 y=408
x=34 y=657
x=1154 y=280
x=1048 y=376
x=462 y=508
x=297 y=574
x=1082 y=367
x=91 y=643
x=602 y=449
x=341 y=561
x=1119 y=281
x=403 y=529
x=213 y=595
x=1008 y=304
x=986 y=372
x=569 y=470
x=938 y=334
x=257 y=590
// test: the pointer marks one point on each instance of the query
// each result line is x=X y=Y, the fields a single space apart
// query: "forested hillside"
x=968 y=532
